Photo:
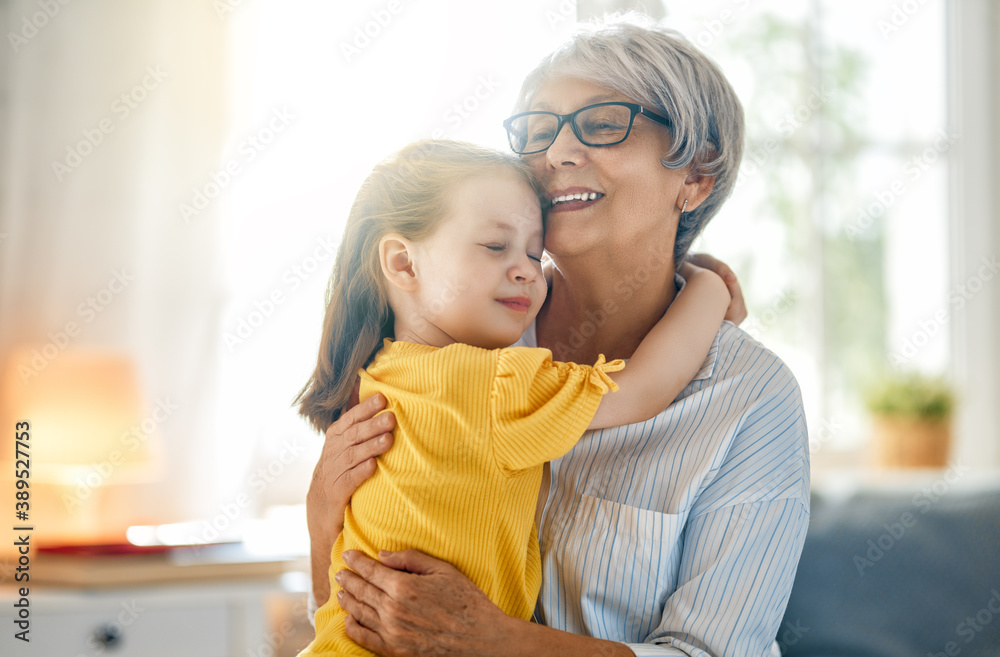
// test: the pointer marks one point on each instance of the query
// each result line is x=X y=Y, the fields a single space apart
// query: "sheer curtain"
x=112 y=112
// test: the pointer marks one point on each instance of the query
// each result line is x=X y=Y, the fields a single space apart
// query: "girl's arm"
x=671 y=353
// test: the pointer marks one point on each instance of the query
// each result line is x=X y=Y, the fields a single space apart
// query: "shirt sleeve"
x=742 y=542
x=540 y=408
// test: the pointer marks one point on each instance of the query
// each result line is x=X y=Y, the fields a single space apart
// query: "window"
x=838 y=226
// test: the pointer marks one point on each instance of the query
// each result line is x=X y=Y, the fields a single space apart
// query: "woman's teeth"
x=583 y=196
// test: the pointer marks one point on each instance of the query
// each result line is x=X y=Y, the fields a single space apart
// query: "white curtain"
x=111 y=113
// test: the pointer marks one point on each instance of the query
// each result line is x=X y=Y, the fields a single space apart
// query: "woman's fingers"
x=412 y=561
x=347 y=426
x=360 y=634
x=352 y=443
x=370 y=572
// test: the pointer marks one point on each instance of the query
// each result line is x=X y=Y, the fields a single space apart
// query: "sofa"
x=909 y=570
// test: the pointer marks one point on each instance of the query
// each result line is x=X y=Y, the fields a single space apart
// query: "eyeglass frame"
x=562 y=119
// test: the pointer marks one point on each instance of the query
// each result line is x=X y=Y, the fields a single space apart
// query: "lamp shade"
x=85 y=410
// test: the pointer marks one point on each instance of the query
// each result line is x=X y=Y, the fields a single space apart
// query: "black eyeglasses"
x=603 y=124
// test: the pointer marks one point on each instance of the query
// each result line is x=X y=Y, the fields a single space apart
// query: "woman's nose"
x=566 y=150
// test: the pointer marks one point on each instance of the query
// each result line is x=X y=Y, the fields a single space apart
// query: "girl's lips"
x=518 y=304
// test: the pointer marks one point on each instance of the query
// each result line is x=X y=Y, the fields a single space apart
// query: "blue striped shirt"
x=680 y=535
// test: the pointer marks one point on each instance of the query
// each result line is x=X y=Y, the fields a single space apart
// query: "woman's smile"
x=573 y=198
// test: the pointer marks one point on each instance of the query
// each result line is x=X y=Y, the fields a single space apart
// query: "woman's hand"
x=737 y=310
x=413 y=604
x=347 y=459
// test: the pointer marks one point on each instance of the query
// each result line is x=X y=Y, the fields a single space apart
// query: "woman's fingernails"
x=337 y=578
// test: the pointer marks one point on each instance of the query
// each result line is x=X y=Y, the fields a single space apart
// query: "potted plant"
x=912 y=416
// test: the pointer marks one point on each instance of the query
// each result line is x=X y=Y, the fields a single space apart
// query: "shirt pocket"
x=628 y=559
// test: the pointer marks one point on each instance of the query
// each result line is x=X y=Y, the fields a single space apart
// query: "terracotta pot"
x=910 y=443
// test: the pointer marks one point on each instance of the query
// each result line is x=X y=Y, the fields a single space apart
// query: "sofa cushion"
x=909 y=573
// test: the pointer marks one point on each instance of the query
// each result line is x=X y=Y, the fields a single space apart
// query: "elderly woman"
x=675 y=536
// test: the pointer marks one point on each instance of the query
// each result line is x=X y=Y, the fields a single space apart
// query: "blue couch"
x=899 y=573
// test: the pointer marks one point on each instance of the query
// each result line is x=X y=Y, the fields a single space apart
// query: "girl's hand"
x=737 y=310
x=347 y=459
x=413 y=604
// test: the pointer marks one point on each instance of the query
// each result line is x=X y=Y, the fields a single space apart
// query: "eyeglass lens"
x=594 y=126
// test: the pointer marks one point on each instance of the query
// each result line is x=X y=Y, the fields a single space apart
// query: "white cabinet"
x=226 y=618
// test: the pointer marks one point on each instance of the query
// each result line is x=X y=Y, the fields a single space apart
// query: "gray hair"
x=660 y=69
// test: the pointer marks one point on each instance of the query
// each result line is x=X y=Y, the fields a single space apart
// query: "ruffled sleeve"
x=540 y=408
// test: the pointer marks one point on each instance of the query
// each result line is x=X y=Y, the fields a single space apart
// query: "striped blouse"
x=680 y=535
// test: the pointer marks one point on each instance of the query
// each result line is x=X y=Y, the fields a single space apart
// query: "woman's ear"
x=695 y=190
x=395 y=255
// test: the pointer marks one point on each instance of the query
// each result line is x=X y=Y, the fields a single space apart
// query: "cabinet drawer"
x=196 y=630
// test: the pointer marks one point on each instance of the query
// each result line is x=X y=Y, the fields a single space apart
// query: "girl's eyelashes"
x=497 y=248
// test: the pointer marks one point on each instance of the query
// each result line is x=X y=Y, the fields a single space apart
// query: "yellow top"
x=473 y=429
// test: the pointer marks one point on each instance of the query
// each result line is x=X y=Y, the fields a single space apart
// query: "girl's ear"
x=395 y=255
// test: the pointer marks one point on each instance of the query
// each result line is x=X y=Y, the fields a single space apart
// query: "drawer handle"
x=108 y=634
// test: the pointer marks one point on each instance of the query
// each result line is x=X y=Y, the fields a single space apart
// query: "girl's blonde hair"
x=406 y=194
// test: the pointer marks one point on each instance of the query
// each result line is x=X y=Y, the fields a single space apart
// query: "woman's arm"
x=347 y=459
x=671 y=353
x=412 y=604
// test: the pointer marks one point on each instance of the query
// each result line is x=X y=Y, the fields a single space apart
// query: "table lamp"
x=88 y=435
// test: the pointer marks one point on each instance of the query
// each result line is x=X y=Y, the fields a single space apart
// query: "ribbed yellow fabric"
x=473 y=429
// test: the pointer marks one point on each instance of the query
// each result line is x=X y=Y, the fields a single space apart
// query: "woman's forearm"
x=320 y=545
x=527 y=639
x=320 y=563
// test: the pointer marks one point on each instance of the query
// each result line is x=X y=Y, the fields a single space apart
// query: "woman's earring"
x=685 y=206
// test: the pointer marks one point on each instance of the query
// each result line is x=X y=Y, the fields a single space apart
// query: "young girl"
x=438 y=272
